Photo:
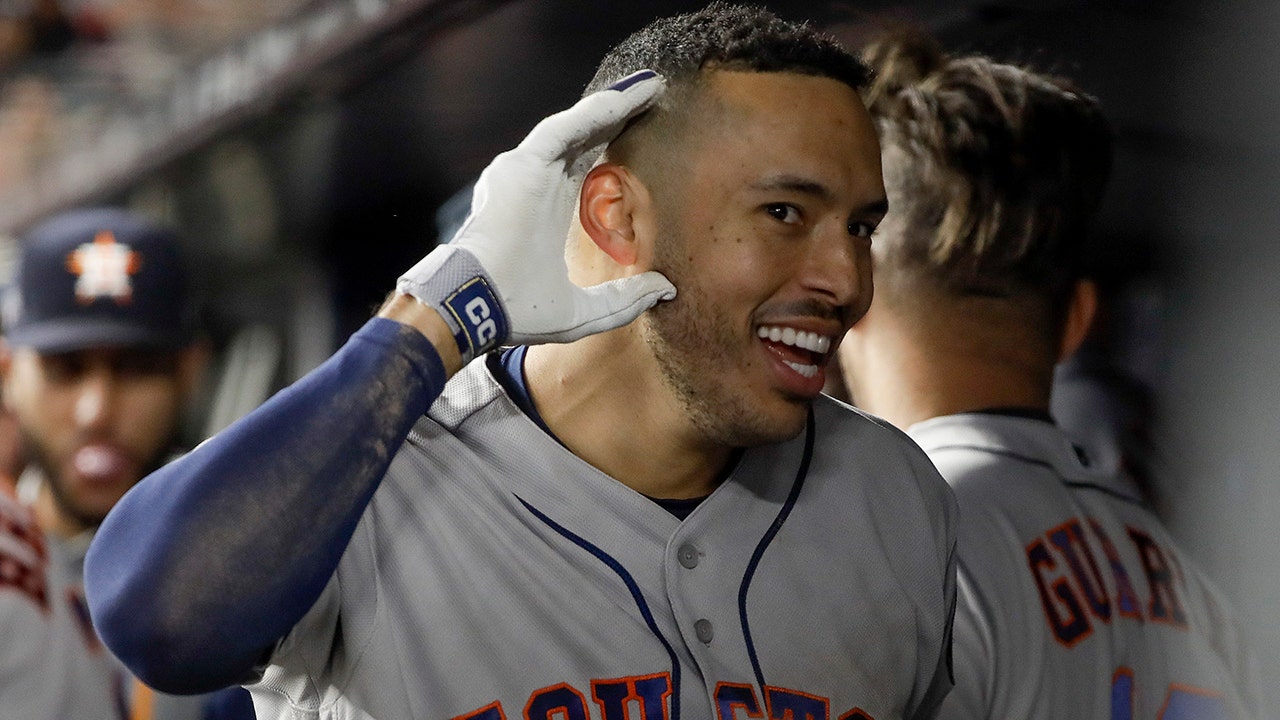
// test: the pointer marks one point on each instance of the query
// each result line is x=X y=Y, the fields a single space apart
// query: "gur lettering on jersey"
x=647 y=697
x=1074 y=593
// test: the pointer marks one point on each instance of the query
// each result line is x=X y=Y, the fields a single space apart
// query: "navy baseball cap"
x=98 y=277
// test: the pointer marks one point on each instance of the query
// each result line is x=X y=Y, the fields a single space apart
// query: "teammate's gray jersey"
x=52 y=666
x=497 y=575
x=1074 y=601
x=137 y=700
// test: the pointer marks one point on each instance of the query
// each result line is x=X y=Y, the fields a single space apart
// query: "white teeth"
x=796 y=338
x=805 y=370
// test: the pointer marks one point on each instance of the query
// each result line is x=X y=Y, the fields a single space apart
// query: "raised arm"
x=202 y=567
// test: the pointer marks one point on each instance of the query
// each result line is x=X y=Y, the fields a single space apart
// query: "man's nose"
x=837 y=266
x=95 y=399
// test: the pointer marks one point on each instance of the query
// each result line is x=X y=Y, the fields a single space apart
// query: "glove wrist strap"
x=453 y=281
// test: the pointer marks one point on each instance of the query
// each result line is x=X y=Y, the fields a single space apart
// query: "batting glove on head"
x=503 y=277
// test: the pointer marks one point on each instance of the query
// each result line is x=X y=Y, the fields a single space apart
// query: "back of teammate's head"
x=994 y=173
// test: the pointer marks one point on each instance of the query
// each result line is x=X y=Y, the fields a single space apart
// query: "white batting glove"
x=503 y=277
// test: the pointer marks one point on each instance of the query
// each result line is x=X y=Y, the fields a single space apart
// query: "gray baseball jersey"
x=139 y=701
x=52 y=666
x=497 y=575
x=1074 y=601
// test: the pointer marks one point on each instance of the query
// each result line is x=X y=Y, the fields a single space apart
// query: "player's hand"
x=503 y=277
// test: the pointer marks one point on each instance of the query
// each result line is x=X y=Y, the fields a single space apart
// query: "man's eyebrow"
x=793 y=183
x=804 y=186
x=875 y=207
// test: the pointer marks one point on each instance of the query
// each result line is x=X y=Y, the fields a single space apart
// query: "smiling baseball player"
x=643 y=510
x=1075 y=601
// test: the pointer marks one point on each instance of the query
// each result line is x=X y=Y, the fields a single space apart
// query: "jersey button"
x=704 y=631
x=688 y=556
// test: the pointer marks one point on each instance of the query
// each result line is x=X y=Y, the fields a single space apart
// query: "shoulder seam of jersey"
x=1078 y=484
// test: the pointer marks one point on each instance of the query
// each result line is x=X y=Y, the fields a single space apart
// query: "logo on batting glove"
x=481 y=322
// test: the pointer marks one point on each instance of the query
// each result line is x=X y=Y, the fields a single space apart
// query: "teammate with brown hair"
x=1074 y=600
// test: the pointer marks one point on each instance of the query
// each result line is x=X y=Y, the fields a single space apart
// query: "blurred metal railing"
x=327 y=47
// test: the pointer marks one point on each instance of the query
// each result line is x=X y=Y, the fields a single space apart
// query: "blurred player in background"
x=52 y=666
x=99 y=361
x=1074 y=600
x=646 y=508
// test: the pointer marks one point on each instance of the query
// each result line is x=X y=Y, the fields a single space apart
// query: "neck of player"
x=604 y=398
x=910 y=371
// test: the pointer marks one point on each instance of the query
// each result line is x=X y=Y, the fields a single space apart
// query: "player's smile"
x=103 y=465
x=767 y=239
x=805 y=352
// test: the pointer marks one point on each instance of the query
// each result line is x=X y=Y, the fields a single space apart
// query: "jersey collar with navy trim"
x=1029 y=439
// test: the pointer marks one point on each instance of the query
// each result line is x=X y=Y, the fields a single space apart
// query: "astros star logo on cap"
x=103 y=269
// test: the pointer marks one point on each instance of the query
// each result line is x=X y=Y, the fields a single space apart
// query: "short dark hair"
x=731 y=37
x=994 y=172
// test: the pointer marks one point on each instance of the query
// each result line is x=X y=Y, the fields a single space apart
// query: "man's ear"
x=1081 y=309
x=607 y=207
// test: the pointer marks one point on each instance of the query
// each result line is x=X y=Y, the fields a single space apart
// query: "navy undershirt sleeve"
x=204 y=565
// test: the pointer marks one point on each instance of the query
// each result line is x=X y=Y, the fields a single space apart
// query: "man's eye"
x=783 y=212
x=143 y=363
x=64 y=367
x=861 y=229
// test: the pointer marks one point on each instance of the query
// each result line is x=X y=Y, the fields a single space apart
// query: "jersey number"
x=1181 y=702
